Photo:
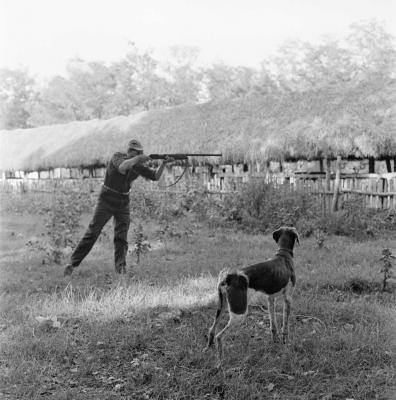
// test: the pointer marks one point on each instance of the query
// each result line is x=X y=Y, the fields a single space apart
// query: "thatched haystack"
x=358 y=121
x=76 y=144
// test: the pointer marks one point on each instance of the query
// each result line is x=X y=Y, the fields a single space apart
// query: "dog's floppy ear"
x=276 y=234
x=297 y=238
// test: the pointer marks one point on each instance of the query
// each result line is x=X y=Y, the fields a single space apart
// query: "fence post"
x=388 y=164
x=328 y=173
x=371 y=165
x=334 y=205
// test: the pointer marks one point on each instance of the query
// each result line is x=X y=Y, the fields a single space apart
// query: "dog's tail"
x=220 y=301
x=222 y=284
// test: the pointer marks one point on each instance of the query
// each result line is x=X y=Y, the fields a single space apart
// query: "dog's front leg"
x=286 y=315
x=273 y=325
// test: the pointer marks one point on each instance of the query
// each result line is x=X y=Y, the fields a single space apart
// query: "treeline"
x=139 y=81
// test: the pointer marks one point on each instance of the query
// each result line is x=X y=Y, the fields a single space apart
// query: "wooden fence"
x=375 y=190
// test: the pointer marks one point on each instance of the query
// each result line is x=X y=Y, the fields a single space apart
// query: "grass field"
x=144 y=339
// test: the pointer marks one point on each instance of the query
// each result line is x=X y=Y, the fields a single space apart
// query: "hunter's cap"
x=135 y=145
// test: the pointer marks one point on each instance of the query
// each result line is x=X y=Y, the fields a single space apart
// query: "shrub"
x=387 y=266
x=162 y=206
x=257 y=207
x=261 y=206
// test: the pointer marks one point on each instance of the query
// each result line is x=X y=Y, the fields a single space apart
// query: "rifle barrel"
x=203 y=155
x=178 y=155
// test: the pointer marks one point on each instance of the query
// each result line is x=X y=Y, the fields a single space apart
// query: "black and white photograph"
x=198 y=199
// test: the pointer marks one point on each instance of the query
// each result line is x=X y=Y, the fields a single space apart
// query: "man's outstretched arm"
x=126 y=165
x=153 y=175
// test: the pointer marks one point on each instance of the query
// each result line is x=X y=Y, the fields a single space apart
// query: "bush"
x=257 y=207
x=357 y=221
x=260 y=207
x=161 y=206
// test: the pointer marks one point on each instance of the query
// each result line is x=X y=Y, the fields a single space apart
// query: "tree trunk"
x=334 y=205
x=394 y=164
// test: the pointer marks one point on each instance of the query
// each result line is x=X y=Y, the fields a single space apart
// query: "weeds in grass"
x=320 y=238
x=262 y=207
x=157 y=354
x=144 y=340
x=62 y=212
x=258 y=207
x=387 y=266
x=141 y=244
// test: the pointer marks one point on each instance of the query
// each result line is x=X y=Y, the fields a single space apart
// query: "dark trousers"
x=109 y=205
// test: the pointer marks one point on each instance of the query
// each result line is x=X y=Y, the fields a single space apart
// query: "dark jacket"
x=122 y=182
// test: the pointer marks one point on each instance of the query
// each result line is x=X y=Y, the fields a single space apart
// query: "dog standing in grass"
x=272 y=277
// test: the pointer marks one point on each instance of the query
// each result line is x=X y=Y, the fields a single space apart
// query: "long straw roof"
x=357 y=121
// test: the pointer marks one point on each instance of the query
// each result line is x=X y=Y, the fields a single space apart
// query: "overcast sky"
x=43 y=35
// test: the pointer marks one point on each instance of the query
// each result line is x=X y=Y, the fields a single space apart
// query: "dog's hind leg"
x=236 y=292
x=235 y=320
x=219 y=311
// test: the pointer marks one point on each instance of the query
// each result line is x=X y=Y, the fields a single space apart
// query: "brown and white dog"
x=272 y=277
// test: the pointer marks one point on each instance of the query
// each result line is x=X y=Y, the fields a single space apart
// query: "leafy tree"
x=17 y=94
x=184 y=78
x=84 y=95
x=94 y=85
x=365 y=58
x=265 y=82
x=373 y=50
x=367 y=51
x=58 y=103
x=302 y=66
x=125 y=98
x=223 y=81
x=138 y=84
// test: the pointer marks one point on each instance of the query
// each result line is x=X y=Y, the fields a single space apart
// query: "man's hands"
x=168 y=159
x=141 y=159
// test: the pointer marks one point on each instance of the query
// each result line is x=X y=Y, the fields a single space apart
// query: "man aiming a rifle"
x=113 y=201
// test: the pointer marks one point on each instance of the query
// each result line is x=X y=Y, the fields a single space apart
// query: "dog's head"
x=286 y=236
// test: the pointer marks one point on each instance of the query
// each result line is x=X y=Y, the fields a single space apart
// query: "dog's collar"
x=285 y=252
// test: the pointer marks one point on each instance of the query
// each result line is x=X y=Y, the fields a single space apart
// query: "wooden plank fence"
x=375 y=190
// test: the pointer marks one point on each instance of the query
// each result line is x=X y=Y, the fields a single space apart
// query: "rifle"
x=181 y=156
